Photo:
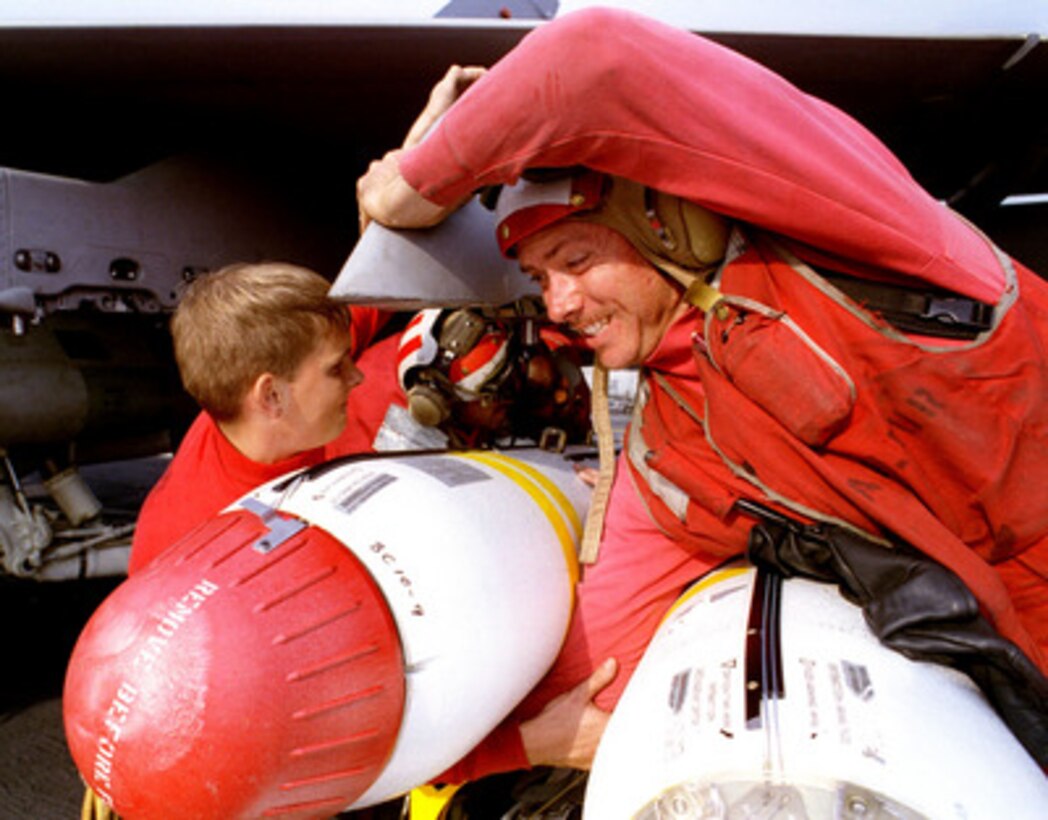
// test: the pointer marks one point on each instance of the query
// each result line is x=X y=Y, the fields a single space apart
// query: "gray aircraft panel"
x=456 y=264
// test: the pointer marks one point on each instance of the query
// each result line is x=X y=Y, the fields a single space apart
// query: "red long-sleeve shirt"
x=208 y=473
x=630 y=96
x=626 y=95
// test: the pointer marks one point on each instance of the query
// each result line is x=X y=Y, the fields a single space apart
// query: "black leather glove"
x=915 y=606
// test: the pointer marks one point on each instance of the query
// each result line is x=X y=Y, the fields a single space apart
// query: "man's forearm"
x=383 y=195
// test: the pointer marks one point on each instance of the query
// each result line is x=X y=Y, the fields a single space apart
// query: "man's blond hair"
x=243 y=320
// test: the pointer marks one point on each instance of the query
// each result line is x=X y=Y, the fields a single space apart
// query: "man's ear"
x=267 y=395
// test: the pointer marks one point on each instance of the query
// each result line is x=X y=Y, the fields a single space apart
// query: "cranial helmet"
x=677 y=236
x=446 y=355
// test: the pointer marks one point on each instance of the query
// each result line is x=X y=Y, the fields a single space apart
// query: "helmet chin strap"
x=684 y=241
x=697 y=291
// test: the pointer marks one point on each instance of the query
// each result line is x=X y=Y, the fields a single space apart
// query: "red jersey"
x=208 y=473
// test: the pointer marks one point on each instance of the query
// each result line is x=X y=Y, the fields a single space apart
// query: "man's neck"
x=259 y=443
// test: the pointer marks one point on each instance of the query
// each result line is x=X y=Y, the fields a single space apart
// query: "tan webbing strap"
x=702 y=295
x=94 y=808
x=697 y=291
x=606 y=448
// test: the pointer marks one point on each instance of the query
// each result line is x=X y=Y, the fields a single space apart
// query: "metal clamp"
x=951 y=310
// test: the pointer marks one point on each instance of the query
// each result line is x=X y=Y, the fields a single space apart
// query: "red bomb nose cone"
x=240 y=675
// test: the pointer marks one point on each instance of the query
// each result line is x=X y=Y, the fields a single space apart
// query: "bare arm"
x=566 y=732
x=382 y=193
x=450 y=87
x=384 y=196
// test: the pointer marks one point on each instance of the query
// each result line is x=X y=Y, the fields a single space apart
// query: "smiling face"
x=595 y=282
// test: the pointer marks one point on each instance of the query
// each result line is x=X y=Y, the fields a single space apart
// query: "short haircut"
x=243 y=320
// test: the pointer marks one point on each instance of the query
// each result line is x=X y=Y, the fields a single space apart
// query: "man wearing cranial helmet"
x=824 y=347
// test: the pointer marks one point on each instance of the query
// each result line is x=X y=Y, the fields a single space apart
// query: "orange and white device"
x=761 y=697
x=334 y=639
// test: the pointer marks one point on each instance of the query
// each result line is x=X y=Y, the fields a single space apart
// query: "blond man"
x=270 y=359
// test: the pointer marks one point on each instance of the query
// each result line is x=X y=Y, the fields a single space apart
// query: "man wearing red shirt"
x=850 y=421
x=270 y=359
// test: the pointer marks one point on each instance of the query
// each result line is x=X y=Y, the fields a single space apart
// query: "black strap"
x=915 y=606
x=926 y=311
